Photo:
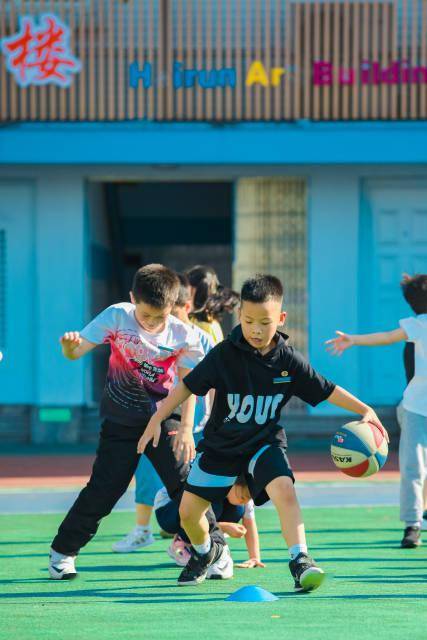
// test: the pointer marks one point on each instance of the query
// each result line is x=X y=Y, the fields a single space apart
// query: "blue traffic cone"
x=251 y=594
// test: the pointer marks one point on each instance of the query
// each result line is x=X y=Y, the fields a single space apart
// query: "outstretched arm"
x=344 y=341
x=252 y=544
x=74 y=346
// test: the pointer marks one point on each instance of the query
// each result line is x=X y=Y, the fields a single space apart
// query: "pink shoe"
x=178 y=551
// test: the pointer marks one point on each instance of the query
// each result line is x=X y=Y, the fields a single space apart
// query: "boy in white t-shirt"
x=147 y=480
x=413 y=439
x=150 y=349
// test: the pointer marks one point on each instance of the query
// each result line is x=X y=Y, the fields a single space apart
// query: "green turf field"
x=374 y=588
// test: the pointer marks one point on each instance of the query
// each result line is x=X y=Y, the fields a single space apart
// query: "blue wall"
x=143 y=151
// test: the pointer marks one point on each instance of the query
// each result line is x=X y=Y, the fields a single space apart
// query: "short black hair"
x=415 y=292
x=155 y=285
x=261 y=287
x=184 y=293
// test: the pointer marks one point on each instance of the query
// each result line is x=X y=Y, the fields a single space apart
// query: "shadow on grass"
x=177 y=595
x=380 y=596
x=391 y=579
x=320 y=559
x=45 y=554
x=125 y=567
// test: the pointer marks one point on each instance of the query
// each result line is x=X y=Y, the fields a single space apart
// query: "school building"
x=285 y=136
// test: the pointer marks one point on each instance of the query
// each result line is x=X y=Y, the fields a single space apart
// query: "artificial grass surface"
x=374 y=589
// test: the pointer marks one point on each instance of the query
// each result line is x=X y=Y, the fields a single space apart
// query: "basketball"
x=359 y=449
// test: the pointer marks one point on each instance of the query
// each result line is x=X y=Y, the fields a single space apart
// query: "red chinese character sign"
x=40 y=55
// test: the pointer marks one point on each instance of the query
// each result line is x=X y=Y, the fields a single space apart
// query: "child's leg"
x=192 y=512
x=282 y=493
x=143 y=515
x=148 y=484
x=206 y=551
x=270 y=476
x=412 y=462
x=174 y=474
x=114 y=466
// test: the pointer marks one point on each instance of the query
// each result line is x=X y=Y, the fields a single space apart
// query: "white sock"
x=296 y=549
x=413 y=524
x=140 y=528
x=203 y=548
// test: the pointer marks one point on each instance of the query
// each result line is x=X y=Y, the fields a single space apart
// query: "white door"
x=17 y=293
x=395 y=242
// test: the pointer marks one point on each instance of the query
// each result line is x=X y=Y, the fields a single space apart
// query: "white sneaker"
x=222 y=569
x=61 y=567
x=136 y=539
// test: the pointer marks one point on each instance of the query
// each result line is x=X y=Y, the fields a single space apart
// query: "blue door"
x=18 y=330
x=394 y=241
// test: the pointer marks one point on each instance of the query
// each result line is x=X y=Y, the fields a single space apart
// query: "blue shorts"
x=147 y=481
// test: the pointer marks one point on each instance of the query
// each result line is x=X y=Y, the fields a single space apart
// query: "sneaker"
x=198 y=565
x=222 y=569
x=61 y=567
x=411 y=538
x=307 y=575
x=424 y=522
x=136 y=539
x=179 y=551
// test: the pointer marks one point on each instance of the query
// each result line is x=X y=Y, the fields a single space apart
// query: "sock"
x=140 y=528
x=296 y=549
x=204 y=548
x=413 y=524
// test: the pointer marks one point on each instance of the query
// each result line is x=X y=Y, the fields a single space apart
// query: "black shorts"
x=212 y=477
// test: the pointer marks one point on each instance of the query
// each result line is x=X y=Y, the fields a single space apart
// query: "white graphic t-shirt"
x=143 y=366
x=415 y=396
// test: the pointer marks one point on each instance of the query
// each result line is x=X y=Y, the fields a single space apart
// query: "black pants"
x=113 y=469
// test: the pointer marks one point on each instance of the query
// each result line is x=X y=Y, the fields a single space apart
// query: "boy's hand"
x=152 y=432
x=183 y=445
x=234 y=529
x=250 y=564
x=339 y=344
x=70 y=341
x=371 y=416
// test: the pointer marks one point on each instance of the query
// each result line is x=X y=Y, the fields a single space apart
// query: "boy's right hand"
x=152 y=432
x=70 y=341
x=183 y=445
x=339 y=344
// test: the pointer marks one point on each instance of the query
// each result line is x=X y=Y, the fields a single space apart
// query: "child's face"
x=182 y=312
x=152 y=319
x=260 y=320
x=238 y=494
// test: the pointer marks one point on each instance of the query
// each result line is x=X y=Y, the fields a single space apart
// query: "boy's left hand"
x=371 y=416
x=250 y=564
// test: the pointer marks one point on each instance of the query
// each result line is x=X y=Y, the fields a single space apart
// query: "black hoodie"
x=251 y=390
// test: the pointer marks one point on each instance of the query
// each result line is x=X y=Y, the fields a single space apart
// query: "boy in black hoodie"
x=254 y=373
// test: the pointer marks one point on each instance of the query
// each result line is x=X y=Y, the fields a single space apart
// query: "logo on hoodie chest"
x=259 y=409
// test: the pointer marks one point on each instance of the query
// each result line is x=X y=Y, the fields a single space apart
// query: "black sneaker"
x=411 y=538
x=307 y=575
x=198 y=565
